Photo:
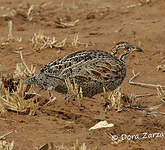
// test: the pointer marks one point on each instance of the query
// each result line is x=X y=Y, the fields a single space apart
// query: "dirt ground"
x=101 y=23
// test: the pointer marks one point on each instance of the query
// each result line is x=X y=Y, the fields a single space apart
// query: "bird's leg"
x=106 y=96
x=40 y=90
x=80 y=106
x=80 y=96
x=68 y=97
x=49 y=92
x=74 y=92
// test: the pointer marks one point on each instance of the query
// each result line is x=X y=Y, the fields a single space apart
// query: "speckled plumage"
x=91 y=69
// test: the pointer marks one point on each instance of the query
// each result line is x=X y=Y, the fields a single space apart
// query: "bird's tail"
x=30 y=80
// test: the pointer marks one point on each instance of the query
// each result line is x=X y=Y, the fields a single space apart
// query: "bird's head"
x=122 y=49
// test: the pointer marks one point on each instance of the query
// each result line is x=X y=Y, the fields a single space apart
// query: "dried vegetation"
x=20 y=98
x=76 y=146
x=4 y=145
x=41 y=41
x=73 y=92
x=120 y=101
x=113 y=99
x=160 y=68
x=15 y=95
x=60 y=23
x=10 y=37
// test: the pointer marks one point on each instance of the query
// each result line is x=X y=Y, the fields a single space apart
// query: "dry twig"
x=144 y=95
x=3 y=136
x=155 y=113
x=61 y=24
x=149 y=110
x=143 y=84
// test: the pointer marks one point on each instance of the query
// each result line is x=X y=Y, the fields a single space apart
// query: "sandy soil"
x=100 y=24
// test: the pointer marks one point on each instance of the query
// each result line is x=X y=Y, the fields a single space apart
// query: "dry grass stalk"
x=114 y=97
x=61 y=24
x=161 y=94
x=10 y=35
x=76 y=41
x=3 y=111
x=73 y=90
x=6 y=145
x=19 y=70
x=41 y=41
x=51 y=100
x=1 y=82
x=76 y=146
x=4 y=44
x=152 y=108
x=9 y=12
x=143 y=2
x=22 y=69
x=29 y=17
x=160 y=68
x=134 y=5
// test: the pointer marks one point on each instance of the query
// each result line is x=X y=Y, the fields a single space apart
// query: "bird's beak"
x=136 y=49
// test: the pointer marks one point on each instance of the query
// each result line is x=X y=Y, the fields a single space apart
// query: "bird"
x=92 y=70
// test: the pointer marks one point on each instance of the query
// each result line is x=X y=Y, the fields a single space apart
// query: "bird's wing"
x=101 y=70
x=85 y=65
x=56 y=67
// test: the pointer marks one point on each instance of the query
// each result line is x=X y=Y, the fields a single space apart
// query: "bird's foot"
x=68 y=97
x=81 y=107
x=74 y=96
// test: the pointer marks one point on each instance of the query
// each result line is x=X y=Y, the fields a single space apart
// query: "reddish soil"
x=100 y=24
